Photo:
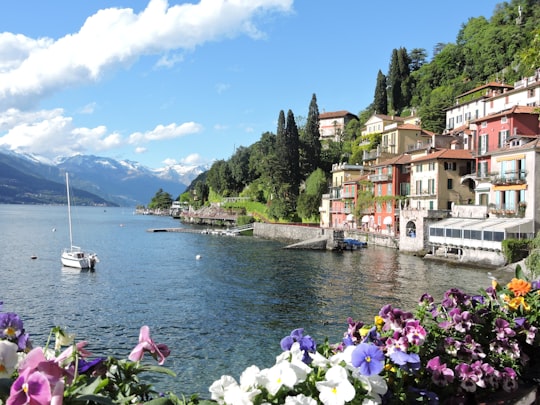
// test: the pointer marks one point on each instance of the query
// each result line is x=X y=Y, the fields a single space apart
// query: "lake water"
x=218 y=314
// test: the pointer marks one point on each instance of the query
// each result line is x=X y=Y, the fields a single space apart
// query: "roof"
x=511 y=225
x=402 y=159
x=487 y=86
x=446 y=154
x=335 y=114
x=517 y=109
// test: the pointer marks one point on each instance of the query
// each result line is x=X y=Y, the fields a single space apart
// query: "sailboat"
x=74 y=256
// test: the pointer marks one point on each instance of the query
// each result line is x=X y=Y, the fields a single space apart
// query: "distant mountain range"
x=29 y=179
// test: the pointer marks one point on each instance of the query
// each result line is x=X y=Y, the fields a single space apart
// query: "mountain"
x=31 y=179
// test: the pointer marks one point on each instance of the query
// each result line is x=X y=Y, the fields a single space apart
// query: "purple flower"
x=31 y=388
x=502 y=329
x=415 y=333
x=11 y=328
x=394 y=319
x=368 y=358
x=307 y=344
x=407 y=361
x=441 y=375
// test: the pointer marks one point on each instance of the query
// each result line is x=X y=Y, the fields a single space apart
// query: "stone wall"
x=288 y=232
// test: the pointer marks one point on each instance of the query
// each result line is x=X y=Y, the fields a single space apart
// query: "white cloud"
x=140 y=149
x=222 y=87
x=31 y=69
x=162 y=132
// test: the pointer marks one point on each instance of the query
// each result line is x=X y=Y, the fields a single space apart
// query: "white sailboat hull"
x=78 y=259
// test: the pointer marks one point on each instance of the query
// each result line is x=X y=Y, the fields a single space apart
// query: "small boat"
x=353 y=244
x=74 y=256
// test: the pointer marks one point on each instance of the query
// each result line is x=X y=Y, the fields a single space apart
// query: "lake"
x=219 y=314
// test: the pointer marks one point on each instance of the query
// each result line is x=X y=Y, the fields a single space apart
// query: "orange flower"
x=519 y=287
x=519 y=302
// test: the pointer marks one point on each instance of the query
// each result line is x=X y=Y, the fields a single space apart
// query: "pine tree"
x=310 y=143
x=380 y=100
x=398 y=80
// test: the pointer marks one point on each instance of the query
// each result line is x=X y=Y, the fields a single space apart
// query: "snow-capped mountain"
x=122 y=182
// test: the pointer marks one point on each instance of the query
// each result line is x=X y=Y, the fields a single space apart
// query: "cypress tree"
x=380 y=100
x=310 y=143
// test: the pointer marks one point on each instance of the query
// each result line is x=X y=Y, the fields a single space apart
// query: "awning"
x=387 y=220
x=508 y=225
x=350 y=217
x=365 y=219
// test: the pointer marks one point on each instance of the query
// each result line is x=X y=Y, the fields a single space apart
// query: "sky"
x=187 y=82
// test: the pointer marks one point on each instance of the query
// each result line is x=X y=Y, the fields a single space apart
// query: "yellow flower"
x=515 y=303
x=379 y=322
x=519 y=287
x=364 y=330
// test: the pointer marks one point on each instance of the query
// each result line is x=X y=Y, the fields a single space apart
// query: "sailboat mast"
x=69 y=212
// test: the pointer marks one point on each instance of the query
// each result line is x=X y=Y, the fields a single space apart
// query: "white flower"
x=249 y=379
x=277 y=376
x=375 y=386
x=336 y=389
x=234 y=395
x=8 y=358
x=300 y=399
x=218 y=388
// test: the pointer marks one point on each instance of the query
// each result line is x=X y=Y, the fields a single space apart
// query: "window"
x=504 y=119
x=503 y=135
x=431 y=186
x=450 y=165
x=418 y=168
x=484 y=124
x=450 y=184
x=418 y=186
x=483 y=147
x=482 y=169
x=431 y=166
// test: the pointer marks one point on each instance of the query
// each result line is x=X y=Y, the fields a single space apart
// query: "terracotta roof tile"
x=446 y=154
x=335 y=114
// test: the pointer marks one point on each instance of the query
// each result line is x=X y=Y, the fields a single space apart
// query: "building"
x=436 y=179
x=338 y=208
x=332 y=124
x=391 y=185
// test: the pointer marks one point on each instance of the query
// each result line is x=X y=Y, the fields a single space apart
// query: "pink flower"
x=158 y=351
x=441 y=375
x=30 y=388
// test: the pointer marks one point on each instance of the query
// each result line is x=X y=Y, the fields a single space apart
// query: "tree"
x=418 y=57
x=380 y=99
x=399 y=72
x=161 y=200
x=240 y=169
x=220 y=178
x=310 y=199
x=287 y=169
x=310 y=143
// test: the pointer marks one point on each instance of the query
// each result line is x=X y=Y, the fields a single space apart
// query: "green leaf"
x=95 y=398
x=159 y=369
x=519 y=273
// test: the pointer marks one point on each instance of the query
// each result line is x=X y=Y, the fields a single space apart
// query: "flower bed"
x=463 y=349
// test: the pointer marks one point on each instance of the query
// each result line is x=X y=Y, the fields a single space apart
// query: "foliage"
x=380 y=99
x=161 y=200
x=44 y=375
x=533 y=260
x=310 y=199
x=310 y=144
x=460 y=350
x=515 y=250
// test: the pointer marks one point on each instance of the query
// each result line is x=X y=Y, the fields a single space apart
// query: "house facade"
x=332 y=124
x=391 y=184
x=338 y=207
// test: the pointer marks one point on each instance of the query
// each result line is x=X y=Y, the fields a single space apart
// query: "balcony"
x=509 y=178
x=379 y=178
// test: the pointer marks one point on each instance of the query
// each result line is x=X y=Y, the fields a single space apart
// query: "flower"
x=519 y=287
x=8 y=358
x=30 y=388
x=336 y=388
x=368 y=358
x=159 y=351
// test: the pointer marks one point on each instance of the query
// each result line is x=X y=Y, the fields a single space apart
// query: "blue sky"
x=163 y=82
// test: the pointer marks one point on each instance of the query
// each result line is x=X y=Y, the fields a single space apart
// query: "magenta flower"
x=158 y=351
x=32 y=389
x=415 y=333
x=441 y=375
x=502 y=329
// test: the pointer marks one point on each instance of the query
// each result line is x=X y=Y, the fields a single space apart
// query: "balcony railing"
x=380 y=178
x=509 y=178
